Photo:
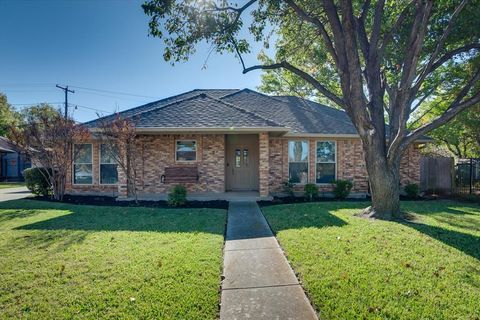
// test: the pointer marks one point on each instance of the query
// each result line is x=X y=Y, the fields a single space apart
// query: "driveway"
x=14 y=193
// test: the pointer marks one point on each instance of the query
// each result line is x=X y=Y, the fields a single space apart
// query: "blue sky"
x=99 y=45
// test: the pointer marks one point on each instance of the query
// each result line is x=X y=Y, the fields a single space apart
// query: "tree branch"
x=302 y=74
x=440 y=44
x=389 y=35
x=456 y=107
x=321 y=27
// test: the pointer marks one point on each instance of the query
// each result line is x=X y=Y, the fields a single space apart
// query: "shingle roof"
x=224 y=108
x=301 y=115
x=216 y=93
x=201 y=111
x=7 y=146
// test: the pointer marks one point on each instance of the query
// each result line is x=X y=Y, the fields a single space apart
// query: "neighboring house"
x=234 y=140
x=12 y=161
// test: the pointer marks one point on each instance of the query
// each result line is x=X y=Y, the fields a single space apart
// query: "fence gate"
x=436 y=175
x=467 y=176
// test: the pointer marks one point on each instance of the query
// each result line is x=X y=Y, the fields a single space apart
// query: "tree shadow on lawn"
x=464 y=242
x=299 y=218
x=46 y=239
x=96 y=218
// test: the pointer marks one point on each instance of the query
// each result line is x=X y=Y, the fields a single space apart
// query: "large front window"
x=186 y=150
x=326 y=162
x=108 y=165
x=82 y=164
x=298 y=161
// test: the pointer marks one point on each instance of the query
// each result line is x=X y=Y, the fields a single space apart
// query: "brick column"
x=263 y=167
x=122 y=184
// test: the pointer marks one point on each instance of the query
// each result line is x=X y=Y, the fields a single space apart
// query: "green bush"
x=36 y=180
x=342 y=189
x=412 y=190
x=311 y=191
x=288 y=188
x=177 y=196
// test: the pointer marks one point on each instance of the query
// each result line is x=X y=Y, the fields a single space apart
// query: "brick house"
x=234 y=140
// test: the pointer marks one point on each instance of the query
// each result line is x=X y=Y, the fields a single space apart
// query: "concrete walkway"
x=259 y=283
x=14 y=193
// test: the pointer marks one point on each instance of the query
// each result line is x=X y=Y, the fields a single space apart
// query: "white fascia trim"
x=334 y=135
x=193 y=129
x=320 y=135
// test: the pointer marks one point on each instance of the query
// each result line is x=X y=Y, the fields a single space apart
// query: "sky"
x=102 y=50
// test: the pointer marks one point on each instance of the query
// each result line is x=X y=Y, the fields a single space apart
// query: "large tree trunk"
x=384 y=184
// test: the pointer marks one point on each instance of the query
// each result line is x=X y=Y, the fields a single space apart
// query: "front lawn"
x=352 y=267
x=7 y=185
x=62 y=261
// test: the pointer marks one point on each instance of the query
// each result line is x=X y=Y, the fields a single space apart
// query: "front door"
x=241 y=162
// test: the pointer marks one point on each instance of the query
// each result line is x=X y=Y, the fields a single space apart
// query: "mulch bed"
x=291 y=200
x=111 y=201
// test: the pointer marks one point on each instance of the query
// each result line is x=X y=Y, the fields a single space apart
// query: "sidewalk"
x=259 y=283
x=14 y=193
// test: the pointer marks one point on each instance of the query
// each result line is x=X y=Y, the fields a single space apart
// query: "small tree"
x=120 y=136
x=48 y=138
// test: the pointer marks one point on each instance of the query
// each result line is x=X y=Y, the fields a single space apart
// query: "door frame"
x=257 y=171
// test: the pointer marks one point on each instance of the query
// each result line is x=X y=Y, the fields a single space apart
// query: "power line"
x=110 y=96
x=26 y=84
x=90 y=108
x=34 y=103
x=116 y=92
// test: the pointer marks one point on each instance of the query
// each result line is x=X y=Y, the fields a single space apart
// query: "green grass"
x=7 y=185
x=354 y=268
x=63 y=261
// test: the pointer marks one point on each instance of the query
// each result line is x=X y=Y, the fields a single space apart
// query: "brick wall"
x=350 y=164
x=95 y=187
x=155 y=153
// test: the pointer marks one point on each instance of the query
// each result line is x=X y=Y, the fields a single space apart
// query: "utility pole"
x=66 y=90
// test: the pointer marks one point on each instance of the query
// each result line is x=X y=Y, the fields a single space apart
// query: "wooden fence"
x=436 y=175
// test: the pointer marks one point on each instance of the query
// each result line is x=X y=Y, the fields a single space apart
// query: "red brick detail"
x=264 y=172
x=350 y=164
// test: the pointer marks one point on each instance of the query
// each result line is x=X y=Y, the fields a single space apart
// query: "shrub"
x=36 y=180
x=342 y=189
x=177 y=196
x=412 y=190
x=311 y=191
x=288 y=187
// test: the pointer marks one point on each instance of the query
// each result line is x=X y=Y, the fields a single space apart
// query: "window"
x=245 y=157
x=186 y=150
x=82 y=164
x=298 y=161
x=237 y=158
x=108 y=165
x=326 y=162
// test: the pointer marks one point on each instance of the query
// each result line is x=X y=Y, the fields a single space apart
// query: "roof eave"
x=156 y=130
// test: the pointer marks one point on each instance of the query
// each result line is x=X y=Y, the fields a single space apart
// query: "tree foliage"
x=379 y=60
x=48 y=138
x=120 y=136
x=8 y=115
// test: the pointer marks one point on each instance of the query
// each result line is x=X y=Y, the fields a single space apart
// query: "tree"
x=8 y=116
x=380 y=57
x=461 y=136
x=120 y=136
x=48 y=138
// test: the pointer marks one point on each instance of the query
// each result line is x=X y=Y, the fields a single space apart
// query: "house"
x=233 y=140
x=12 y=161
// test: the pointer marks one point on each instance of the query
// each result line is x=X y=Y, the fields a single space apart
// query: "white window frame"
x=74 y=163
x=100 y=167
x=316 y=161
x=186 y=161
x=308 y=160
